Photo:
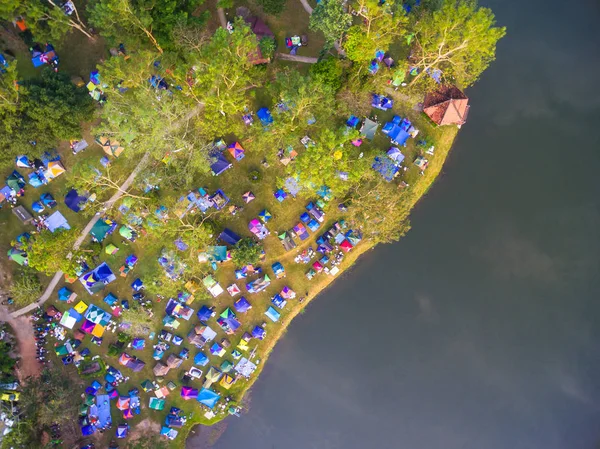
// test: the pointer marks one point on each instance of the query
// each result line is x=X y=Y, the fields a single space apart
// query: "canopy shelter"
x=245 y=367
x=369 y=128
x=111 y=147
x=219 y=199
x=280 y=195
x=101 y=229
x=229 y=237
x=219 y=164
x=156 y=404
x=242 y=305
x=258 y=229
x=213 y=375
x=228 y=321
x=447 y=106
x=57 y=221
x=236 y=150
x=301 y=231
x=264 y=116
x=264 y=215
x=22 y=214
x=248 y=197
x=74 y=201
x=212 y=286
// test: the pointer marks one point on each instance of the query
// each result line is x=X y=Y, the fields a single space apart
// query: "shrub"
x=272 y=6
x=267 y=47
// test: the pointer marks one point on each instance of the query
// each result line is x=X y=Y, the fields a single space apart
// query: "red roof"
x=447 y=106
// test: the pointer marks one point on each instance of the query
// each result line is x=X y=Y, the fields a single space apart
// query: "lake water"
x=481 y=328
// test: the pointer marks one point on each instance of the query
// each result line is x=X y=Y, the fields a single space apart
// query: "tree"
x=50 y=252
x=274 y=7
x=139 y=318
x=382 y=24
x=332 y=161
x=267 y=47
x=246 y=252
x=331 y=18
x=54 y=103
x=7 y=362
x=141 y=22
x=459 y=40
x=379 y=210
x=25 y=288
x=46 y=18
x=329 y=71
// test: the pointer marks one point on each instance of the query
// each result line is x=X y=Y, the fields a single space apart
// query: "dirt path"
x=28 y=365
x=222 y=19
x=306 y=59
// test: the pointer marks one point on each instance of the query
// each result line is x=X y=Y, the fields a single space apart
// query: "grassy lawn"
x=78 y=59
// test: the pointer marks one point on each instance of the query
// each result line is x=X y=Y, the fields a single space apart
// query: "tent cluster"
x=219 y=162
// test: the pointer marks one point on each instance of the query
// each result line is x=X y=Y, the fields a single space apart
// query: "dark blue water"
x=481 y=328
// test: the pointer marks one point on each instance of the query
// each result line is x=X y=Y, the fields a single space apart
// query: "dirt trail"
x=28 y=365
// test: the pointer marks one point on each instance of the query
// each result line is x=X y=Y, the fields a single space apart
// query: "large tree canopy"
x=331 y=18
x=459 y=39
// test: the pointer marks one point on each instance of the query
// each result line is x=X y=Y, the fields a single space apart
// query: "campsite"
x=205 y=194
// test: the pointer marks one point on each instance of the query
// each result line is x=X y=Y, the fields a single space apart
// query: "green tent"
x=15 y=181
x=111 y=249
x=157 y=404
x=147 y=386
x=18 y=256
x=90 y=400
x=226 y=366
x=126 y=232
x=61 y=351
x=100 y=230
x=83 y=410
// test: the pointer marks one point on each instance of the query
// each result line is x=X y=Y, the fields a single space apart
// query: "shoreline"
x=430 y=178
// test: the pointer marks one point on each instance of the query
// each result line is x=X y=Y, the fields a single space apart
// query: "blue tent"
x=396 y=133
x=23 y=161
x=204 y=314
x=111 y=299
x=292 y=186
x=36 y=180
x=122 y=431
x=242 y=305
x=37 y=207
x=64 y=294
x=95 y=280
x=305 y=218
x=396 y=155
x=278 y=269
x=74 y=201
x=272 y=314
x=229 y=237
x=381 y=102
x=353 y=121
x=208 y=397
x=57 y=221
x=265 y=116
x=137 y=285
x=259 y=332
x=200 y=359
x=87 y=430
x=219 y=165
x=48 y=200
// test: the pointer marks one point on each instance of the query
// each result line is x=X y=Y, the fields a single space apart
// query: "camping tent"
x=160 y=369
x=242 y=305
x=264 y=116
x=248 y=197
x=287 y=241
x=382 y=102
x=259 y=332
x=22 y=214
x=213 y=286
x=57 y=221
x=156 y=404
x=19 y=256
x=122 y=431
x=74 y=201
x=55 y=169
x=264 y=215
x=110 y=147
x=396 y=155
x=189 y=393
x=23 y=161
x=201 y=359
x=272 y=314
x=447 y=106
x=280 y=195
x=64 y=294
x=95 y=280
x=15 y=181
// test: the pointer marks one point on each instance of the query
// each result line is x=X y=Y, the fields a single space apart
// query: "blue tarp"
x=219 y=165
x=208 y=397
x=74 y=201
x=229 y=237
x=103 y=404
x=386 y=167
x=265 y=116
x=396 y=133
x=57 y=221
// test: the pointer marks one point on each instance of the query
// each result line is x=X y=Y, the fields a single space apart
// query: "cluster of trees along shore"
x=213 y=82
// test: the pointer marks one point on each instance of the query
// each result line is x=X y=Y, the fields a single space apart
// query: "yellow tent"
x=81 y=307
x=243 y=346
x=55 y=168
x=227 y=381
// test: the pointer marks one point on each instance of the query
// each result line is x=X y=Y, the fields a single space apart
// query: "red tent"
x=346 y=245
